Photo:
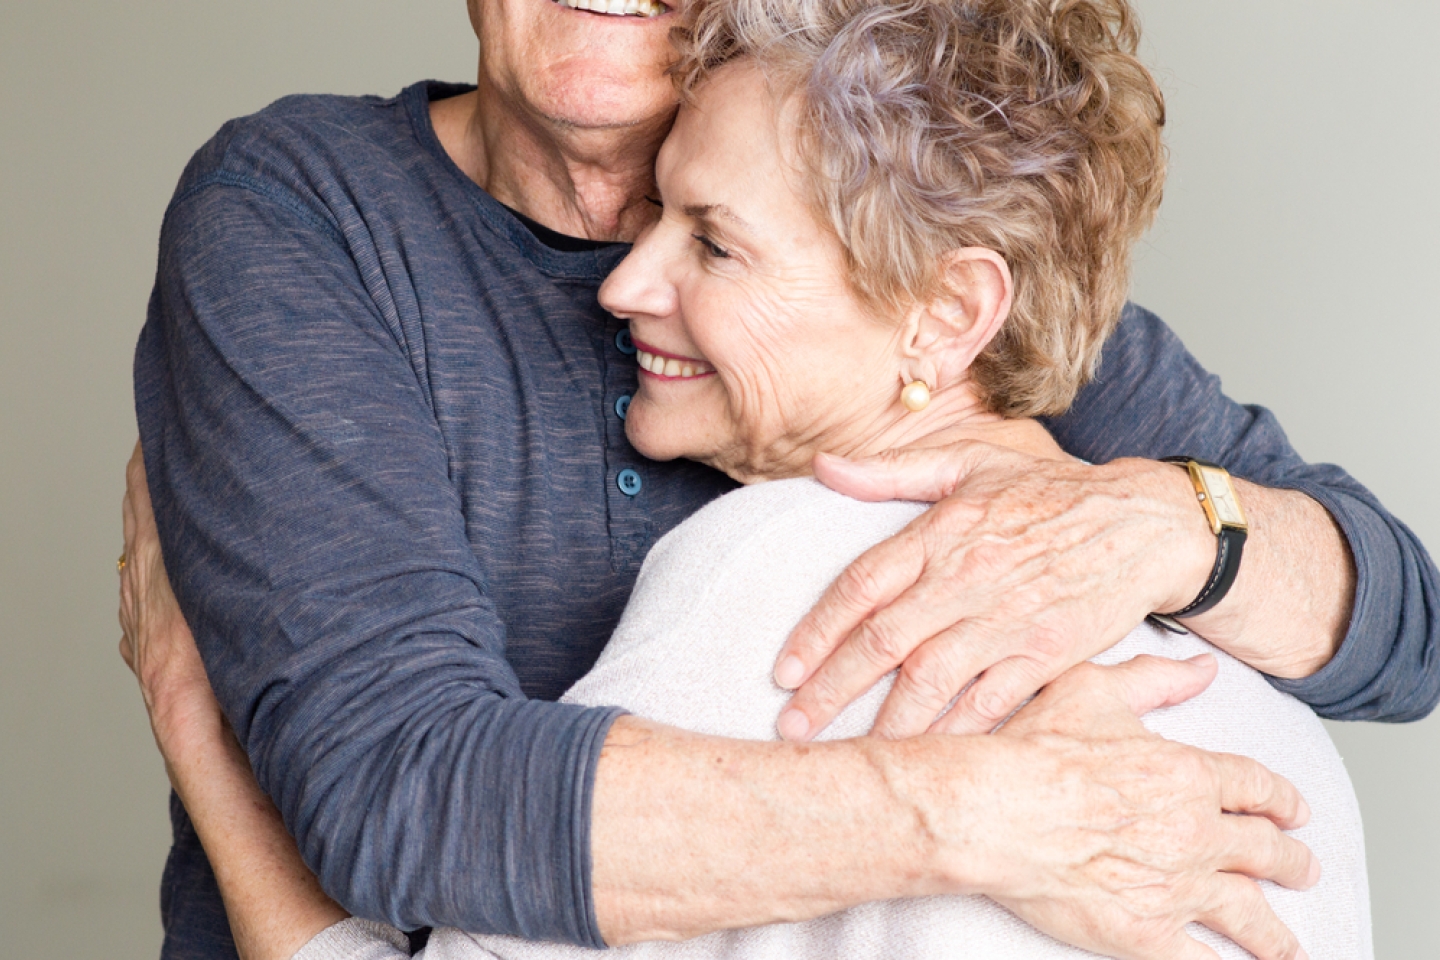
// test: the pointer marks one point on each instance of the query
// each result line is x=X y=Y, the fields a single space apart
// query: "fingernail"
x=1302 y=955
x=1313 y=877
x=793 y=725
x=789 y=671
x=1303 y=814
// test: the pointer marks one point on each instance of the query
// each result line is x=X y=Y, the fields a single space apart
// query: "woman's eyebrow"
x=709 y=211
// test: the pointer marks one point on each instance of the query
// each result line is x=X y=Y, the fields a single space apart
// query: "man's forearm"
x=1289 y=608
x=693 y=834
x=745 y=833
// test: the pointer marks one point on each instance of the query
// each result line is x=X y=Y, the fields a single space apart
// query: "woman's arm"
x=273 y=900
x=1026 y=567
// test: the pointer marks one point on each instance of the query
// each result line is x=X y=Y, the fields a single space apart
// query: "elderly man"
x=382 y=417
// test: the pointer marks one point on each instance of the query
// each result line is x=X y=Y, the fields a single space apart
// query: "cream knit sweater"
x=696 y=647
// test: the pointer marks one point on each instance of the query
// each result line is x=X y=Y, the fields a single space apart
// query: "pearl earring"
x=915 y=396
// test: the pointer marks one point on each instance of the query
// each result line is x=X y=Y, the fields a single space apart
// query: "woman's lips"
x=645 y=9
x=669 y=366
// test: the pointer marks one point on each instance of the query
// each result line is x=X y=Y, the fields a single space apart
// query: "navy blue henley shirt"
x=384 y=431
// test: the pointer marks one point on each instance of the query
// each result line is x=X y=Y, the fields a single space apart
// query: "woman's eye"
x=711 y=247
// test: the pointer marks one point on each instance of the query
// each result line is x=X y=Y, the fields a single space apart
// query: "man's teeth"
x=670 y=367
x=618 y=8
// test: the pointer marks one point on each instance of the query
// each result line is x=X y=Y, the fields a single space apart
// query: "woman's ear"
x=948 y=331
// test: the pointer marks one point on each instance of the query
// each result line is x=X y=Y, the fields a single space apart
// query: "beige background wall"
x=1296 y=255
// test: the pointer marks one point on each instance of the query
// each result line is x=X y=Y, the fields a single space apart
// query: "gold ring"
x=120 y=564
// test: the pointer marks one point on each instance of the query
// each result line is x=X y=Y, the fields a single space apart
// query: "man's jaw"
x=641 y=9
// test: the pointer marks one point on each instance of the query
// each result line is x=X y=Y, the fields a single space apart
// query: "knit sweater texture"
x=696 y=647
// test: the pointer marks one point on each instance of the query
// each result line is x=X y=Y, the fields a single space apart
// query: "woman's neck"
x=954 y=415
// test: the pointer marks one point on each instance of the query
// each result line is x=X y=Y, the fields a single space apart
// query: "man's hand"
x=1026 y=566
x=1126 y=837
x=1074 y=816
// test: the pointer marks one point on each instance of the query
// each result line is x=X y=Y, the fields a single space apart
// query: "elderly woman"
x=885 y=227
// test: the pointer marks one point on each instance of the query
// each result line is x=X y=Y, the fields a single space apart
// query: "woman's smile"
x=661 y=365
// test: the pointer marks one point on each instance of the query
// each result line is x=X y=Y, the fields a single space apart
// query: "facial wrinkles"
x=801 y=366
x=577 y=67
x=792 y=387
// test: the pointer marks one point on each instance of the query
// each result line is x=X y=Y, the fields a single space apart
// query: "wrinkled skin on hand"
x=1026 y=566
x=157 y=644
x=1122 y=837
x=1111 y=838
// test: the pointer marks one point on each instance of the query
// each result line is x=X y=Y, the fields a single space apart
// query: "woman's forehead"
x=728 y=143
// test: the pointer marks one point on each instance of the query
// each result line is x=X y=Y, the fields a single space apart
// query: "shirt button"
x=622 y=406
x=623 y=343
x=629 y=482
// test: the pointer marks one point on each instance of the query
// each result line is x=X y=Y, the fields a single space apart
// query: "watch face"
x=1222 y=497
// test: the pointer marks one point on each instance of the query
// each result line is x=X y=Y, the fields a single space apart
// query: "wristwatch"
x=1222 y=508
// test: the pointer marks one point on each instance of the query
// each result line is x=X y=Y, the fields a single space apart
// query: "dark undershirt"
x=556 y=240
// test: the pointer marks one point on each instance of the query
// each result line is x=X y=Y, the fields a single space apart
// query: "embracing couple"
x=444 y=403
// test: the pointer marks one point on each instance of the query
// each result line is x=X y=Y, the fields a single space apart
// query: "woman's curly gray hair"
x=1025 y=126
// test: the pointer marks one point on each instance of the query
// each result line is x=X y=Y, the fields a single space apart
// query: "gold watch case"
x=1217 y=498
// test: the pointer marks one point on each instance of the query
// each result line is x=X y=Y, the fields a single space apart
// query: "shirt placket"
x=628 y=482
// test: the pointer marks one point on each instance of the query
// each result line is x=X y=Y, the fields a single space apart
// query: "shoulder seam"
x=226 y=178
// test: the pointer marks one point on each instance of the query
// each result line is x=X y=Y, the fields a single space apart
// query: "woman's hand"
x=157 y=644
x=1124 y=837
x=1028 y=565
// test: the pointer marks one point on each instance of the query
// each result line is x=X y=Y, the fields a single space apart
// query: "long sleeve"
x=1153 y=399
x=320 y=552
x=356 y=940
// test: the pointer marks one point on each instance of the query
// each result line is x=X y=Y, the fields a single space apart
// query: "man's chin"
x=591 y=99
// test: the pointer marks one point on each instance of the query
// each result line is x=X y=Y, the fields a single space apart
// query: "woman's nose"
x=640 y=285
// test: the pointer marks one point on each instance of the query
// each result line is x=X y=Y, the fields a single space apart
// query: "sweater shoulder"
x=785 y=537
x=774 y=525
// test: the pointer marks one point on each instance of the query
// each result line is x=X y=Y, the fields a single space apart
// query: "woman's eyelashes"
x=712 y=248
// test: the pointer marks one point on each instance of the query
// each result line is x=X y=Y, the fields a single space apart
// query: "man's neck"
x=579 y=182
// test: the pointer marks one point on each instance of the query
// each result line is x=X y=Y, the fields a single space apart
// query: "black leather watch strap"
x=1222 y=577
x=1229 y=548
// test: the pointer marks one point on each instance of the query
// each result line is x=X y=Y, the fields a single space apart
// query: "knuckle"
x=924 y=685
x=882 y=643
x=1190 y=769
x=1260 y=785
x=819 y=696
x=989 y=704
x=954 y=513
x=859 y=586
x=1049 y=644
x=1084 y=676
x=808 y=637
